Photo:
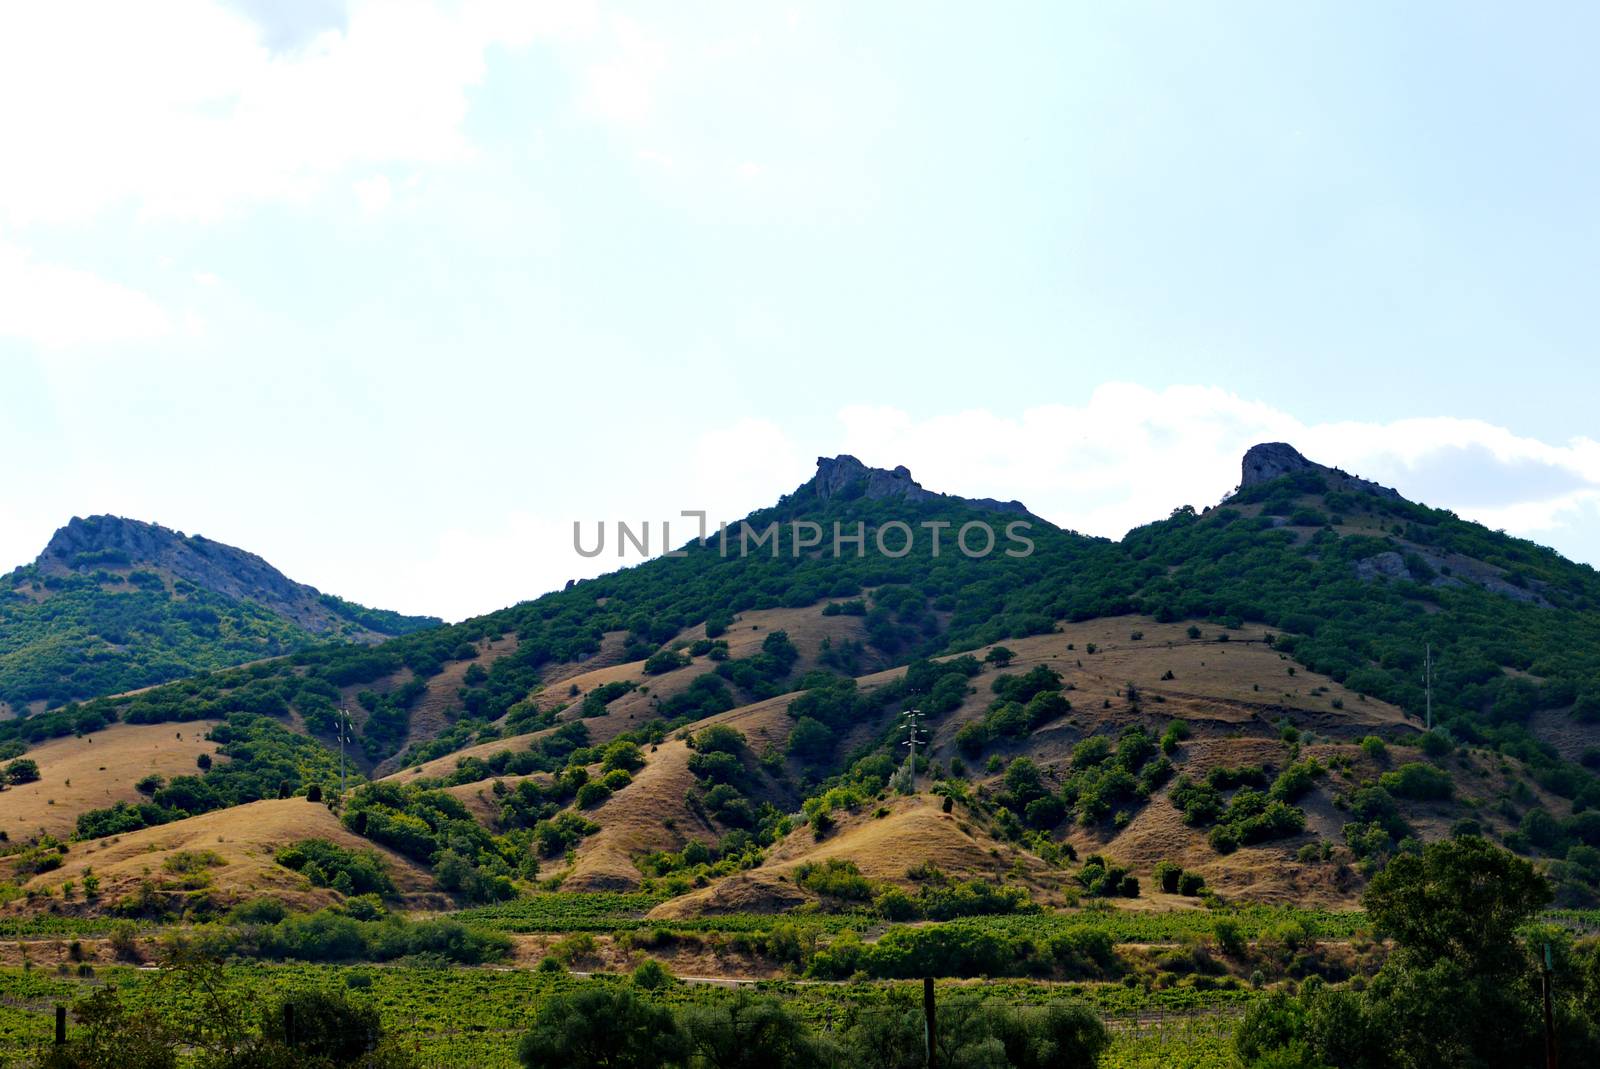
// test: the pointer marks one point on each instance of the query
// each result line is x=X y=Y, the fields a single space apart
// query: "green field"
x=473 y=1017
x=606 y=912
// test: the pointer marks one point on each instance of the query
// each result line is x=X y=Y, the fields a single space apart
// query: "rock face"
x=115 y=543
x=1273 y=460
x=844 y=478
x=1434 y=569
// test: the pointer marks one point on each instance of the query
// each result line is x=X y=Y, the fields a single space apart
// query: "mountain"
x=1241 y=691
x=114 y=604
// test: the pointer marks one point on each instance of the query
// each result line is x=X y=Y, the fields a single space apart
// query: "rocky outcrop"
x=118 y=544
x=1432 y=569
x=844 y=478
x=1273 y=460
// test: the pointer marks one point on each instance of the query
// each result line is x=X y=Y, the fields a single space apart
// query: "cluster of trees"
x=1250 y=815
x=82 y=639
x=22 y=770
x=726 y=776
x=437 y=830
x=965 y=948
x=1461 y=986
x=325 y=864
x=826 y=708
x=1174 y=879
x=622 y=1028
x=1022 y=704
x=763 y=675
x=265 y=760
x=1103 y=781
x=359 y=929
x=937 y=896
x=311 y=1028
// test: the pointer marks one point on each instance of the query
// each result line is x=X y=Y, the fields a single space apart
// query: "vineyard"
x=472 y=1018
x=611 y=912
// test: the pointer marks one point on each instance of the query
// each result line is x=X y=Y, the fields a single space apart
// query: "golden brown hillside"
x=77 y=773
x=235 y=849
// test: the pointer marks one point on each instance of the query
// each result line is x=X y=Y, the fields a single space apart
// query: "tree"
x=748 y=1032
x=1461 y=900
x=1458 y=989
x=22 y=770
x=811 y=741
x=110 y=1037
x=1000 y=656
x=599 y=1027
x=322 y=1025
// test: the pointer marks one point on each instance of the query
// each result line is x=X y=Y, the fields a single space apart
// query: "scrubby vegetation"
x=265 y=760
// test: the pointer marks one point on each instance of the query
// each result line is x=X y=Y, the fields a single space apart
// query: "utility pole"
x=344 y=730
x=913 y=725
x=1549 y=1020
x=1427 y=682
x=929 y=1036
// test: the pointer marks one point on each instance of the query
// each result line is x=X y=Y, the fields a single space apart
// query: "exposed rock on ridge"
x=1273 y=460
x=844 y=478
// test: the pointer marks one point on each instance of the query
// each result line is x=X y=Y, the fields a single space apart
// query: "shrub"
x=592 y=794
x=322 y=1024
x=353 y=872
x=601 y=1026
x=834 y=878
x=651 y=975
x=1418 y=781
x=1166 y=876
x=23 y=770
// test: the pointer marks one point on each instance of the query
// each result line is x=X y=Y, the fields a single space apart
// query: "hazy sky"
x=392 y=294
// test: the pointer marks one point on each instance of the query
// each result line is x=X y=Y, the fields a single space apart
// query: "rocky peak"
x=115 y=544
x=844 y=478
x=1273 y=460
x=102 y=541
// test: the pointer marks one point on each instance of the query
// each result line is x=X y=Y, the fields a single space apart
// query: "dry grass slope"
x=93 y=771
x=246 y=838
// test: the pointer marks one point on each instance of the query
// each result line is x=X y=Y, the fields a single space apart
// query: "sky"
x=392 y=294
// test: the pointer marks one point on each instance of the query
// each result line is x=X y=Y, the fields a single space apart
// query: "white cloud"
x=622 y=87
x=58 y=307
x=183 y=110
x=373 y=194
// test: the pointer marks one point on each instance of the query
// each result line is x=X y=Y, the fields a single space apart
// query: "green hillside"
x=1346 y=582
x=112 y=605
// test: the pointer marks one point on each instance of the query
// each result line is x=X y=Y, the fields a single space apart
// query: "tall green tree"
x=598 y=1027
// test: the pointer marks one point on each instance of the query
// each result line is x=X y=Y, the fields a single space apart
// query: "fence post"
x=61 y=1026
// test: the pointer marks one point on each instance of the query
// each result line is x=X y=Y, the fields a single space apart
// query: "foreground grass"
x=473 y=1017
